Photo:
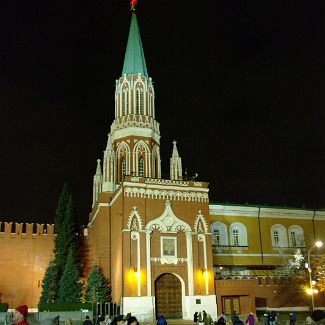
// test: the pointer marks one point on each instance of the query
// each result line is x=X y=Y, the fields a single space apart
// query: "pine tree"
x=60 y=250
x=67 y=231
x=69 y=286
x=49 y=284
x=67 y=241
x=98 y=287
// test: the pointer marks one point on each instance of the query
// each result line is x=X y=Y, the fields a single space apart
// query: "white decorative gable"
x=134 y=221
x=200 y=224
x=168 y=222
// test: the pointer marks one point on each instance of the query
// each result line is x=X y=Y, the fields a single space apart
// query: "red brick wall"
x=25 y=254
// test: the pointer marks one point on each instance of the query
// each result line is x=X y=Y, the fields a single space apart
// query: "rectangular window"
x=235 y=235
x=276 y=238
x=216 y=237
x=293 y=239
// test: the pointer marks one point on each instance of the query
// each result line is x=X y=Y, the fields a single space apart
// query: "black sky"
x=239 y=85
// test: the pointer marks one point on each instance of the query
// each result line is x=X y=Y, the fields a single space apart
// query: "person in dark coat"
x=87 y=321
x=233 y=316
x=221 y=321
x=132 y=320
x=196 y=315
x=265 y=319
x=272 y=318
x=204 y=314
x=118 y=320
x=292 y=318
x=238 y=321
x=161 y=320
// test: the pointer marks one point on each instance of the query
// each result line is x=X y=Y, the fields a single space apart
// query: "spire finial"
x=132 y=4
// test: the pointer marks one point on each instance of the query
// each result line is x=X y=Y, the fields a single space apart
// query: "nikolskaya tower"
x=149 y=235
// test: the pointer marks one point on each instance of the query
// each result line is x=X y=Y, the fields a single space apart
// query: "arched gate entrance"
x=168 y=292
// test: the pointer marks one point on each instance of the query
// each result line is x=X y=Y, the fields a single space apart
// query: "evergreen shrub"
x=3 y=307
x=72 y=306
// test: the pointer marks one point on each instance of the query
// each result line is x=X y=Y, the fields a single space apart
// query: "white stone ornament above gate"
x=168 y=221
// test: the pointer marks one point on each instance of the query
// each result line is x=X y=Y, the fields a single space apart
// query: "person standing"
x=272 y=318
x=265 y=319
x=195 y=317
x=200 y=318
x=233 y=317
x=117 y=320
x=204 y=314
x=161 y=320
x=309 y=320
x=208 y=320
x=223 y=315
x=292 y=318
x=87 y=321
x=19 y=315
x=250 y=320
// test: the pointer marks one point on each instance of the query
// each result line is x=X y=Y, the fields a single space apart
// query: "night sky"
x=239 y=85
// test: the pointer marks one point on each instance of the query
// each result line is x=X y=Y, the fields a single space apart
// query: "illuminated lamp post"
x=311 y=290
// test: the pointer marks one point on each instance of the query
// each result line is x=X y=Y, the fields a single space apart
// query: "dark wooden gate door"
x=168 y=296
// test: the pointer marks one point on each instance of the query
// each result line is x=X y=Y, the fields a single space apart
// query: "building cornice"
x=243 y=211
x=134 y=132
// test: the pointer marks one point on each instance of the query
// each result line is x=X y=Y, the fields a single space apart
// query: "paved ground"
x=172 y=322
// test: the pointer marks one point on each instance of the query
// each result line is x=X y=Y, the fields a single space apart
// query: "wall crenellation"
x=26 y=230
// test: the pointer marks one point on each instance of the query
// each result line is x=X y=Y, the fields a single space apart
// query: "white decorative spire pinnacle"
x=109 y=167
x=109 y=145
x=98 y=169
x=97 y=182
x=175 y=164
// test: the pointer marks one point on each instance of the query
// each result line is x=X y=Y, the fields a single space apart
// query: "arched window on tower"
x=156 y=168
x=139 y=101
x=150 y=105
x=123 y=167
x=125 y=102
x=141 y=167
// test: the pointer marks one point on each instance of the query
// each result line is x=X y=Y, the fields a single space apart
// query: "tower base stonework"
x=145 y=311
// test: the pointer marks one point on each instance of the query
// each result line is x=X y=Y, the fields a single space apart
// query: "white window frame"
x=242 y=234
x=168 y=259
x=282 y=236
x=222 y=232
x=298 y=236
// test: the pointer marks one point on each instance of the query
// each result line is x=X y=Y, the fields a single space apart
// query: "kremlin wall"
x=26 y=250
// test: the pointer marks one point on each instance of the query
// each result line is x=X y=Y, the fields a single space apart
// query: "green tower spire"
x=134 y=61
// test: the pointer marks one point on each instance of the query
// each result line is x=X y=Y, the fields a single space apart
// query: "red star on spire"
x=132 y=4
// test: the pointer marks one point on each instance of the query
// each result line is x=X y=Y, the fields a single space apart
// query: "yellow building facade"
x=249 y=244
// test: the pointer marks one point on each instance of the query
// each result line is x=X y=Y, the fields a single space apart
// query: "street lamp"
x=311 y=290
